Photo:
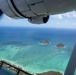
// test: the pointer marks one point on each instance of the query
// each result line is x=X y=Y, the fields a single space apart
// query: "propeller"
x=1 y=13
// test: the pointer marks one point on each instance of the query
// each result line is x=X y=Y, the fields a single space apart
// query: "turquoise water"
x=21 y=47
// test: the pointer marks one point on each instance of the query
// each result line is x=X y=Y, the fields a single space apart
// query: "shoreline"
x=51 y=73
x=13 y=68
x=21 y=71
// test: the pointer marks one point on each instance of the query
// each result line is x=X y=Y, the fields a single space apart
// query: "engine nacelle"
x=39 y=19
x=34 y=10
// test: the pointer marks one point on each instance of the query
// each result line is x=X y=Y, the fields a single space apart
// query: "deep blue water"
x=4 y=71
x=21 y=47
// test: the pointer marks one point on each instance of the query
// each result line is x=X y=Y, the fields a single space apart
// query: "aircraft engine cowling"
x=39 y=20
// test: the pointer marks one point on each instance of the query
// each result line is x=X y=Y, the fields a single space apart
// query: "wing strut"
x=70 y=70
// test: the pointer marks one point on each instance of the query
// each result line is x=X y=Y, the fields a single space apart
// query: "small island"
x=45 y=42
x=61 y=45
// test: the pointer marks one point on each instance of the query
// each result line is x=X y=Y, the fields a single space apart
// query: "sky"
x=67 y=20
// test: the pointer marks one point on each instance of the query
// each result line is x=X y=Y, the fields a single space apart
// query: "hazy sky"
x=67 y=20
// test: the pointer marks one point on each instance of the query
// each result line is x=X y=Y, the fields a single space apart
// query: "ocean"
x=21 y=46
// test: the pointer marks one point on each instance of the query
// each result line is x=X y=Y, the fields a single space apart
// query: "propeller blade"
x=1 y=13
